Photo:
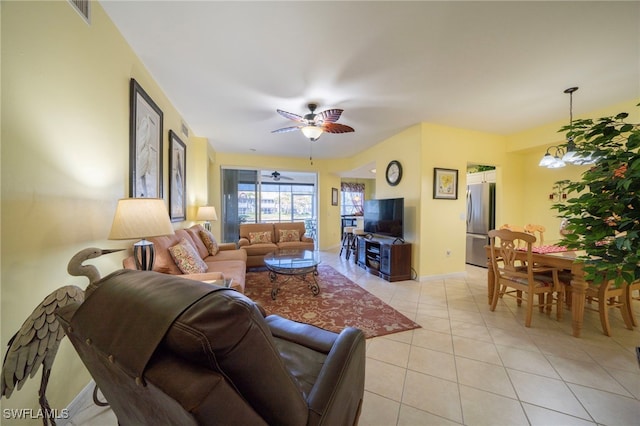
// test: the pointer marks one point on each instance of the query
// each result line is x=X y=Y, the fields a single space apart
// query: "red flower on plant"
x=620 y=171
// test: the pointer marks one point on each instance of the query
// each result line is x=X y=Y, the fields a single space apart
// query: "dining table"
x=561 y=259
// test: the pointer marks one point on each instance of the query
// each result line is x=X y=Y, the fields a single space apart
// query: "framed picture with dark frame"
x=177 y=178
x=145 y=144
x=445 y=184
x=334 y=196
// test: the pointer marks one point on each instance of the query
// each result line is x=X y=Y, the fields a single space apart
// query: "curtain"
x=356 y=193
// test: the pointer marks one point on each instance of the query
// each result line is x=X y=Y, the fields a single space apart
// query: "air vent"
x=82 y=7
x=185 y=130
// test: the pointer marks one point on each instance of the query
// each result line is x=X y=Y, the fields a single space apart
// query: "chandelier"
x=566 y=153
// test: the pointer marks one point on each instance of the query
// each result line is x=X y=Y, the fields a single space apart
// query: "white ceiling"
x=498 y=67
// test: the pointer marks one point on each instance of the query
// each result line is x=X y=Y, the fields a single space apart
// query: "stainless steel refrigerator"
x=481 y=198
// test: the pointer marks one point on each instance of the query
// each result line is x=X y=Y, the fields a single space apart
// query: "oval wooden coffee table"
x=293 y=264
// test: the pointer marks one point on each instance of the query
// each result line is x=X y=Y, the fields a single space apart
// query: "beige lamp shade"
x=207 y=213
x=140 y=218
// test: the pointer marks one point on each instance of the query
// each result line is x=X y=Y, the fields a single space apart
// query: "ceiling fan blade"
x=286 y=177
x=290 y=115
x=330 y=115
x=336 y=128
x=287 y=129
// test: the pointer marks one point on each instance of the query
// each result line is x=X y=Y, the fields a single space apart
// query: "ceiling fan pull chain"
x=311 y=153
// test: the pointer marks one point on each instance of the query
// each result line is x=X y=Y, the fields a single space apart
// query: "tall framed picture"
x=334 y=196
x=145 y=144
x=177 y=178
x=445 y=184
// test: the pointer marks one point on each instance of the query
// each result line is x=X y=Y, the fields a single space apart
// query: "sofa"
x=258 y=239
x=173 y=257
x=169 y=351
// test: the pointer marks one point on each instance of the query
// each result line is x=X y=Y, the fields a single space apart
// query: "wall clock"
x=394 y=173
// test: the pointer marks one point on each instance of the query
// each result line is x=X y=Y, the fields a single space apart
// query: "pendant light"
x=567 y=154
x=571 y=154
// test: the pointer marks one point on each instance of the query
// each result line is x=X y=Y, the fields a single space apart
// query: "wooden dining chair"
x=607 y=296
x=514 y=228
x=630 y=297
x=525 y=281
x=537 y=231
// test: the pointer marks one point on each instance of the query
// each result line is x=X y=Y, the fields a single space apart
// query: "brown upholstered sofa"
x=257 y=247
x=169 y=351
x=228 y=262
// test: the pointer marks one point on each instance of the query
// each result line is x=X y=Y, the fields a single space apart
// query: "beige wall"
x=443 y=222
x=65 y=156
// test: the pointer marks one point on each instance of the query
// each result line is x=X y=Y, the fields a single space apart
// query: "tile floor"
x=468 y=365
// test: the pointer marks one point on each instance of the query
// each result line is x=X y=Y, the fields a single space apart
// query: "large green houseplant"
x=603 y=217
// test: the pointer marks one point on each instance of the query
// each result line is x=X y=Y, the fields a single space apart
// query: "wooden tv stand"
x=381 y=257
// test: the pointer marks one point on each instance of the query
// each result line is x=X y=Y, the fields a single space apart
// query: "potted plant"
x=603 y=218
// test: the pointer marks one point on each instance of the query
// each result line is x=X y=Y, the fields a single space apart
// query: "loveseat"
x=195 y=259
x=258 y=239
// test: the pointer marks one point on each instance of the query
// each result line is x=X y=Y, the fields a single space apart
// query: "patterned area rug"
x=341 y=303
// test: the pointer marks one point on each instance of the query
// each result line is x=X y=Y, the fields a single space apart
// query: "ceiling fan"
x=276 y=176
x=314 y=125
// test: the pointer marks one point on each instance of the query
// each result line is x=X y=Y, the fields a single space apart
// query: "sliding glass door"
x=255 y=196
x=239 y=195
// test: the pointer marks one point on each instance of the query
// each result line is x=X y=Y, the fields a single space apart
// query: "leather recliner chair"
x=166 y=350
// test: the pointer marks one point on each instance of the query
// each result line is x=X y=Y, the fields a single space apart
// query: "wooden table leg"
x=490 y=281
x=578 y=296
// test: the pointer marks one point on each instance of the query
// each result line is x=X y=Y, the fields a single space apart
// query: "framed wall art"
x=334 y=196
x=177 y=178
x=145 y=144
x=445 y=184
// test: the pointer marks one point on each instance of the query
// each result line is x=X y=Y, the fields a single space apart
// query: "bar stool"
x=357 y=232
x=347 y=239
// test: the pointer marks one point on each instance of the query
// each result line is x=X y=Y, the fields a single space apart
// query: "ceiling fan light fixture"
x=312 y=132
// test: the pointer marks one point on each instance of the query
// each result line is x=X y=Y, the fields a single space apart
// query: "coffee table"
x=293 y=264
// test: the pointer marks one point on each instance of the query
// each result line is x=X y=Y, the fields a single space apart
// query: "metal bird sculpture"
x=38 y=339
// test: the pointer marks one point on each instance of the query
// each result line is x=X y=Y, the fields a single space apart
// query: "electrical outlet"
x=448 y=252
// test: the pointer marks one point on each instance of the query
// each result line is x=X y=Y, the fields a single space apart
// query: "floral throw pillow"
x=289 y=235
x=187 y=258
x=260 y=237
x=210 y=242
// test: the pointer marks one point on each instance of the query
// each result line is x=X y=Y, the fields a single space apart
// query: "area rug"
x=341 y=303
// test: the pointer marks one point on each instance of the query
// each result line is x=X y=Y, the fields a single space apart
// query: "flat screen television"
x=384 y=217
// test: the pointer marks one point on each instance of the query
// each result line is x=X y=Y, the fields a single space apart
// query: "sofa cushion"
x=210 y=242
x=227 y=255
x=296 y=245
x=235 y=269
x=164 y=261
x=245 y=228
x=187 y=258
x=260 y=249
x=260 y=237
x=289 y=226
x=194 y=235
x=288 y=235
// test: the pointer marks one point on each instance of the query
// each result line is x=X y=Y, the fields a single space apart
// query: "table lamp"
x=141 y=218
x=207 y=213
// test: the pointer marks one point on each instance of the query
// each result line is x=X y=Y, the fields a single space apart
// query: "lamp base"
x=144 y=254
x=207 y=226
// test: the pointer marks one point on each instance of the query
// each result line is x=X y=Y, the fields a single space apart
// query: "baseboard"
x=426 y=278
